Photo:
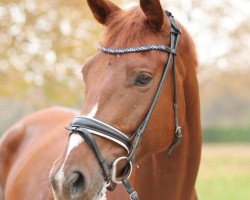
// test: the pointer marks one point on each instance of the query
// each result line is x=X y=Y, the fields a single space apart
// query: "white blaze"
x=74 y=141
x=93 y=111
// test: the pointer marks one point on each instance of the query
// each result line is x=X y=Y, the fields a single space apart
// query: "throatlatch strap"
x=132 y=193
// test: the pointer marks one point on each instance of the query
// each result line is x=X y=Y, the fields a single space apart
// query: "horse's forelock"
x=126 y=28
x=130 y=28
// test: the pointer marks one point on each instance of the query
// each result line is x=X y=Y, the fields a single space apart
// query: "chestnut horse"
x=120 y=85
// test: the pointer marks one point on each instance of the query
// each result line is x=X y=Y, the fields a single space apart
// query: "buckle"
x=178 y=132
x=133 y=196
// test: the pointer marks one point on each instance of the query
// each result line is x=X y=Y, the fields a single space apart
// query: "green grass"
x=226 y=134
x=224 y=173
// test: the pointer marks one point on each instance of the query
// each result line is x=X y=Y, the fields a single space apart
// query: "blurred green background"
x=43 y=45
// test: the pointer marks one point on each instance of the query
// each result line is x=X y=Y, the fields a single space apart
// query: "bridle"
x=86 y=127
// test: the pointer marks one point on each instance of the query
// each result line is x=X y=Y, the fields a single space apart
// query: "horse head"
x=121 y=82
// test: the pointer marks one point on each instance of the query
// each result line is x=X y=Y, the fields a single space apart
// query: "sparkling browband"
x=160 y=47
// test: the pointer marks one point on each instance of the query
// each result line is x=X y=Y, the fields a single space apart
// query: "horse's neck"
x=160 y=178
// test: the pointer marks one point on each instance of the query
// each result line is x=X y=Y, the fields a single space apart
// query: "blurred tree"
x=43 y=46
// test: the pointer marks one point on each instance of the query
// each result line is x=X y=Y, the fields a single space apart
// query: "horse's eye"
x=142 y=80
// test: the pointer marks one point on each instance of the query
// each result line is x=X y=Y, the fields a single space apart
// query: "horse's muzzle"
x=72 y=185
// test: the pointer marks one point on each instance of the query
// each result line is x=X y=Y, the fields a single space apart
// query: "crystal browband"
x=160 y=47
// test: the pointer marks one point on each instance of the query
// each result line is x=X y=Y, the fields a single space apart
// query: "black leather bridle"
x=87 y=127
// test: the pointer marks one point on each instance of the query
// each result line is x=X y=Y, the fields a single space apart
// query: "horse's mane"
x=187 y=49
x=136 y=30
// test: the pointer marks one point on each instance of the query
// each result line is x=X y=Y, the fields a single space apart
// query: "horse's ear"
x=102 y=9
x=153 y=11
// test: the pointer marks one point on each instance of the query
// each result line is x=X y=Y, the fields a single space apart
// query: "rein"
x=86 y=127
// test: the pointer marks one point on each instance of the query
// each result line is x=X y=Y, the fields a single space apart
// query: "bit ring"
x=114 y=170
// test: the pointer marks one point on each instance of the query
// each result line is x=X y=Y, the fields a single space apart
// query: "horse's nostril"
x=77 y=183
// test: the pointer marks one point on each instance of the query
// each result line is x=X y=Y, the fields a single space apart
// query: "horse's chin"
x=101 y=195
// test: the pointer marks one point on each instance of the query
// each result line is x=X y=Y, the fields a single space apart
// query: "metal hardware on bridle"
x=114 y=170
x=86 y=127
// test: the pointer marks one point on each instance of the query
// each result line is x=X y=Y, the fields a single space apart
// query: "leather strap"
x=174 y=38
x=96 y=125
x=132 y=193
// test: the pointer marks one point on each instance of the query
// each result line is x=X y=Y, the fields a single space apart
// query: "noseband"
x=87 y=127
